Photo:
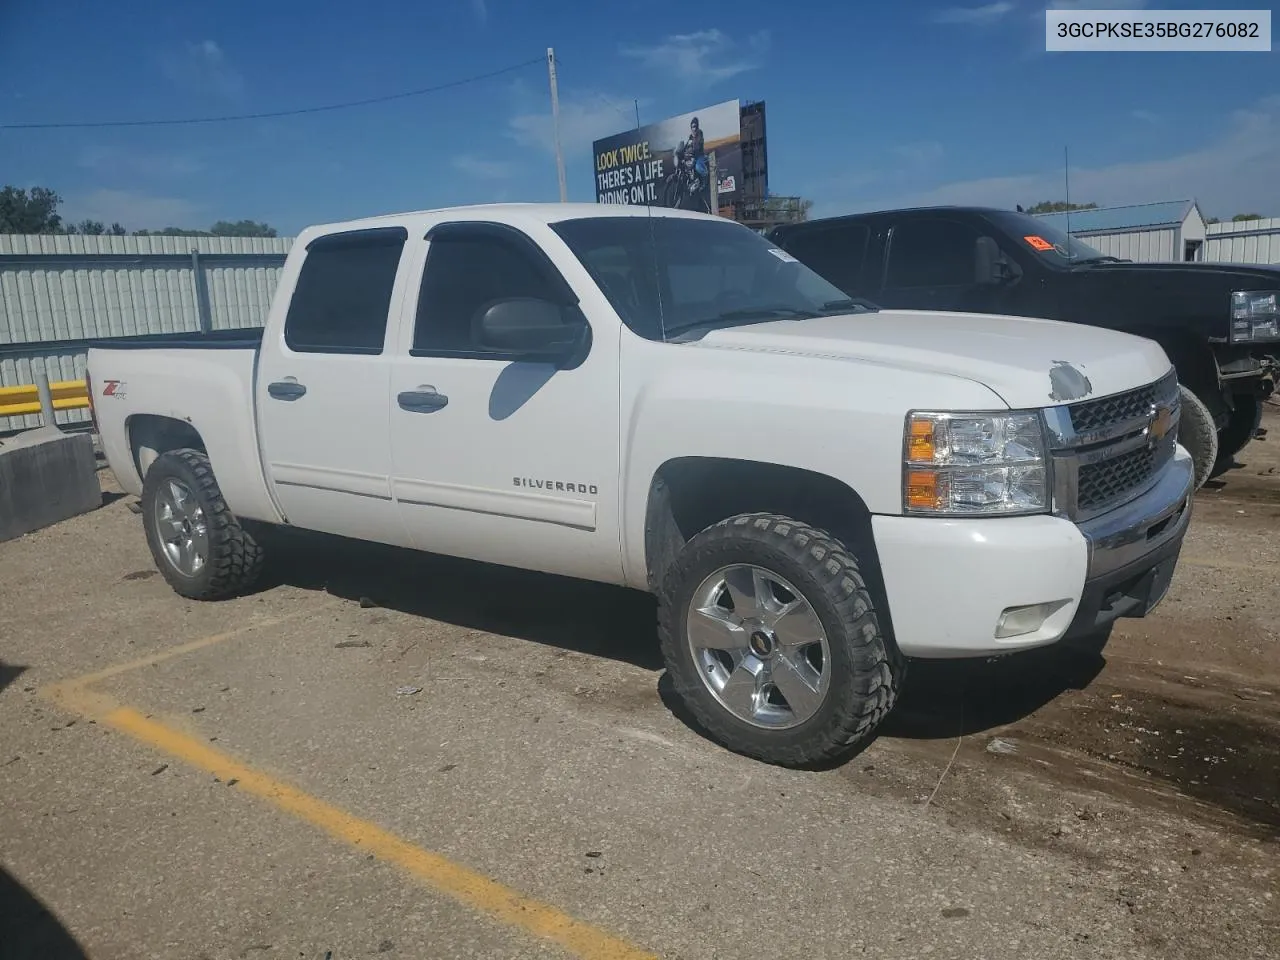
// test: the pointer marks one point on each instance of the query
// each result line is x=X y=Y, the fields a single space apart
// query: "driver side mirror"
x=992 y=266
x=537 y=329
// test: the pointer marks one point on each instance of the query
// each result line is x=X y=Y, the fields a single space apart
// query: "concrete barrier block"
x=45 y=476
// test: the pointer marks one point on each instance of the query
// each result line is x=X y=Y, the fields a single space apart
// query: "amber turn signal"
x=920 y=447
x=926 y=490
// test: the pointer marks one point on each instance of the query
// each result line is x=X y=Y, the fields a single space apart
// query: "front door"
x=933 y=263
x=497 y=456
x=322 y=389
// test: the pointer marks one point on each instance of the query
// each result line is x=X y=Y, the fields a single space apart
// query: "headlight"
x=1255 y=315
x=975 y=464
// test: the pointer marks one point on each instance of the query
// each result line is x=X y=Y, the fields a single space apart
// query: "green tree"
x=242 y=228
x=1059 y=206
x=33 y=211
x=1246 y=216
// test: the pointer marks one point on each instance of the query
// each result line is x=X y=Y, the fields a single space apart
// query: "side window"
x=343 y=294
x=835 y=253
x=932 y=253
x=465 y=274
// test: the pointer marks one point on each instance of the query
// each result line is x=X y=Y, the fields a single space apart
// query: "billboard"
x=667 y=164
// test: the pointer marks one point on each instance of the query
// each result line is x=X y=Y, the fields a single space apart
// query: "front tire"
x=773 y=642
x=1199 y=434
x=1244 y=421
x=197 y=543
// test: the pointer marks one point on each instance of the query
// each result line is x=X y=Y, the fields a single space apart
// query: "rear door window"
x=343 y=294
x=835 y=252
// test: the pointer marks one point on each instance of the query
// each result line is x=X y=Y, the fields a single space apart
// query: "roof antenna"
x=1066 y=176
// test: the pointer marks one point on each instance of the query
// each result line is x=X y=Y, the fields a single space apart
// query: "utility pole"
x=555 y=121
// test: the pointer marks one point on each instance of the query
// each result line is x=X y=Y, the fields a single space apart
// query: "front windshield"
x=1044 y=239
x=672 y=276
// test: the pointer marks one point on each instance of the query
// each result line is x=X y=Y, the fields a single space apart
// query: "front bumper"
x=949 y=581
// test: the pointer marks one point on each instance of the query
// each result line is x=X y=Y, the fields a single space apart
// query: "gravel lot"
x=399 y=725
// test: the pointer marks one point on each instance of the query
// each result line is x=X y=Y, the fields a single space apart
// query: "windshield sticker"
x=783 y=255
x=1038 y=243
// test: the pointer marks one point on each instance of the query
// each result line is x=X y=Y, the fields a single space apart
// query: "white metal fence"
x=1248 y=241
x=59 y=292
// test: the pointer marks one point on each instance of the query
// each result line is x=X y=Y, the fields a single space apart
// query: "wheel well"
x=151 y=435
x=1195 y=365
x=689 y=494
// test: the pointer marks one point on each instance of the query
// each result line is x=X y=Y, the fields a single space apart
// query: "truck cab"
x=1217 y=322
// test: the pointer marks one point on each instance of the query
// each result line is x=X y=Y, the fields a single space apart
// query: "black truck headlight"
x=1255 y=315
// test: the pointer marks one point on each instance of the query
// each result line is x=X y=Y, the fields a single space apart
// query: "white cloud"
x=704 y=57
x=135 y=211
x=920 y=155
x=116 y=161
x=483 y=168
x=480 y=9
x=989 y=13
x=1145 y=116
x=584 y=118
x=203 y=66
x=1234 y=171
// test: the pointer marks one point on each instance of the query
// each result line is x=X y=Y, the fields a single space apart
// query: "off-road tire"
x=1198 y=433
x=1235 y=436
x=235 y=556
x=867 y=669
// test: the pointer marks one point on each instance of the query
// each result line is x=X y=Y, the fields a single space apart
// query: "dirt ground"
x=1054 y=804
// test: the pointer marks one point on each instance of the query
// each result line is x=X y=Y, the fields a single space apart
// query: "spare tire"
x=1198 y=433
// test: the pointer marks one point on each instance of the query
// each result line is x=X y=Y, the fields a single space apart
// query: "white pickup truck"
x=815 y=490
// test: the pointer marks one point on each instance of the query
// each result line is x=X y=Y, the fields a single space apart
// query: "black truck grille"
x=1131 y=422
x=1100 y=483
x=1120 y=408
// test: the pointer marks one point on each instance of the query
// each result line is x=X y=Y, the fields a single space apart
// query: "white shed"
x=1172 y=230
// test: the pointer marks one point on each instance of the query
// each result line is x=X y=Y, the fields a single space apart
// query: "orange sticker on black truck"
x=1038 y=243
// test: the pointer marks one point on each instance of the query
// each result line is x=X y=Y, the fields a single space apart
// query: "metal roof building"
x=1171 y=230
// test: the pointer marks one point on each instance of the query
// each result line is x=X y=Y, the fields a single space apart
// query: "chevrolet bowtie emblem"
x=1161 y=424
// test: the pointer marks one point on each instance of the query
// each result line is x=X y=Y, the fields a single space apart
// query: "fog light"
x=1015 y=621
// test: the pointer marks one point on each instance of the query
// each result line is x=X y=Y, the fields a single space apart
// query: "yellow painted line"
x=466 y=886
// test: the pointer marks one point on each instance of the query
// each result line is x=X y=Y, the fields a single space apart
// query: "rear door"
x=497 y=456
x=837 y=251
x=322 y=388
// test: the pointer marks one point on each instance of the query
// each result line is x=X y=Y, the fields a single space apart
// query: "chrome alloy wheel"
x=181 y=527
x=759 y=646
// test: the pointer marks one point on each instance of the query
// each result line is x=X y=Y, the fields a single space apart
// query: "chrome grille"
x=1109 y=450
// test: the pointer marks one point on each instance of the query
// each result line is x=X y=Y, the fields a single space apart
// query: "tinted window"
x=464 y=275
x=932 y=253
x=665 y=275
x=343 y=293
x=834 y=252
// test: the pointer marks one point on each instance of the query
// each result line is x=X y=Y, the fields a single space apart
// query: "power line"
x=275 y=113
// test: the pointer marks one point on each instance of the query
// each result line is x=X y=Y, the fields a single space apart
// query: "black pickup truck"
x=1217 y=322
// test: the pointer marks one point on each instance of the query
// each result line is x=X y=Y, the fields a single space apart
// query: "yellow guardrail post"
x=63 y=395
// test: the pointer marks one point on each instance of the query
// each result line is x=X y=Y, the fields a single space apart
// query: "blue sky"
x=868 y=104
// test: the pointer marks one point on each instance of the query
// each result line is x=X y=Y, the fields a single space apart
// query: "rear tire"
x=1198 y=433
x=197 y=543
x=797 y=672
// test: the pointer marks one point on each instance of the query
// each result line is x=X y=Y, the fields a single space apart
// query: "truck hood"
x=1026 y=362
x=1234 y=276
